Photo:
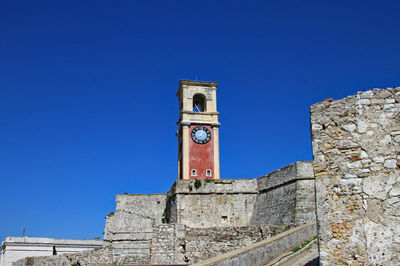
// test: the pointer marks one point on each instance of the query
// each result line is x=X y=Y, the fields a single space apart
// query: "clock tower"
x=198 y=129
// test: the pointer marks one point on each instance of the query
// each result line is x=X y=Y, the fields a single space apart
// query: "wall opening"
x=199 y=103
x=208 y=172
x=194 y=172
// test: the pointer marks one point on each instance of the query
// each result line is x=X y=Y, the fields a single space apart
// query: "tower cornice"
x=209 y=84
x=198 y=83
x=199 y=113
x=188 y=123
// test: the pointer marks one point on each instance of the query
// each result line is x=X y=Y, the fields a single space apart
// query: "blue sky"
x=87 y=93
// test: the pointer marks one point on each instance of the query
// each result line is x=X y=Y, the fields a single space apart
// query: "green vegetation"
x=305 y=243
x=208 y=180
x=197 y=183
x=164 y=216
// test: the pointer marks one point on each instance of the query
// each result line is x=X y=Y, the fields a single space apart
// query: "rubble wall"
x=164 y=247
x=356 y=148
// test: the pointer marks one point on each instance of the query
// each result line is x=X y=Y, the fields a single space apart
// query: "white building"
x=16 y=248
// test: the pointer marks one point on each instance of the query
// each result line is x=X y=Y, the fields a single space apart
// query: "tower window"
x=194 y=172
x=208 y=172
x=199 y=101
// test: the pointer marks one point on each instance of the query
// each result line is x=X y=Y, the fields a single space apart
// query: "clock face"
x=201 y=135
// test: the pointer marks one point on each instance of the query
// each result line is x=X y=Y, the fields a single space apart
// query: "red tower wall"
x=201 y=156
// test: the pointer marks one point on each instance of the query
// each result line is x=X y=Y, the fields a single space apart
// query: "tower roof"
x=209 y=84
x=198 y=83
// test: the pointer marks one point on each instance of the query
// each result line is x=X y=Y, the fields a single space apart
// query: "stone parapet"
x=286 y=196
x=290 y=173
x=152 y=205
x=221 y=186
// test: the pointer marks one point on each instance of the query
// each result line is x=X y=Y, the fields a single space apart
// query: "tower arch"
x=199 y=102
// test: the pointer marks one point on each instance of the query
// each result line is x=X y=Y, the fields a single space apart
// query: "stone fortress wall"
x=193 y=222
x=285 y=196
x=356 y=147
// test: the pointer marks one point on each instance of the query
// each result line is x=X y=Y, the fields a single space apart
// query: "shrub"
x=197 y=183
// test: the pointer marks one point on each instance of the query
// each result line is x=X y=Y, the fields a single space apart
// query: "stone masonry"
x=356 y=148
x=285 y=196
x=173 y=243
x=129 y=230
x=215 y=203
x=289 y=195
